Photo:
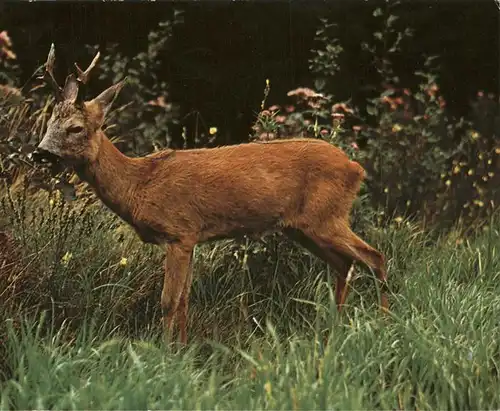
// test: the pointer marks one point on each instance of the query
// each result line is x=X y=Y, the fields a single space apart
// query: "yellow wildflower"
x=66 y=258
x=396 y=127
x=470 y=172
x=212 y=130
x=448 y=183
x=267 y=388
x=123 y=261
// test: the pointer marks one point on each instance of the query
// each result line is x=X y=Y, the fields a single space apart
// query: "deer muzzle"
x=42 y=156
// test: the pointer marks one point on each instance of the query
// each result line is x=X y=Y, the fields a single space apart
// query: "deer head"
x=73 y=130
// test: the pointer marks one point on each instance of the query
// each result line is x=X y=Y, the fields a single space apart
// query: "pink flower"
x=304 y=92
x=354 y=145
x=342 y=106
x=5 y=39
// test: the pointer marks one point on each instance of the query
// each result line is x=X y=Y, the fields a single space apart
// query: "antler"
x=83 y=76
x=48 y=75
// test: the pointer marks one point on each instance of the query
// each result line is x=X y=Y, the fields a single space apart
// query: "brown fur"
x=304 y=188
x=177 y=199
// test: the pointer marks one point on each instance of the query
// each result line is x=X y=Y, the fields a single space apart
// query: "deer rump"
x=250 y=188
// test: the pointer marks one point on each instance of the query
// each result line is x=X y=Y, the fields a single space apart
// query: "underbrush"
x=81 y=325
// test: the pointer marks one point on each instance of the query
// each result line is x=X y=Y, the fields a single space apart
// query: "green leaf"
x=372 y=110
x=392 y=18
x=319 y=83
x=388 y=92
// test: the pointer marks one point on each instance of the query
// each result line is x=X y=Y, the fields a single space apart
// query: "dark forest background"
x=409 y=88
x=219 y=57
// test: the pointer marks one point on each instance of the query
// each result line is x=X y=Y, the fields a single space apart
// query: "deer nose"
x=40 y=155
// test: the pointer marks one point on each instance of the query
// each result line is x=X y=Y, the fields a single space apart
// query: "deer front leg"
x=177 y=266
x=182 y=313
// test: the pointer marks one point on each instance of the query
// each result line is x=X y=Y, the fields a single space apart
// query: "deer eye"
x=74 y=129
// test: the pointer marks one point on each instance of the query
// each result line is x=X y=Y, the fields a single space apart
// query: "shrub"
x=421 y=161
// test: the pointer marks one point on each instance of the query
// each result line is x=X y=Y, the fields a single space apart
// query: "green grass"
x=84 y=332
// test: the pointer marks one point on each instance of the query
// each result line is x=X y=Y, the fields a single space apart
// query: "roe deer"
x=178 y=198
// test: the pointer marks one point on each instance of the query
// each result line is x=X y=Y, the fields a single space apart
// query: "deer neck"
x=114 y=177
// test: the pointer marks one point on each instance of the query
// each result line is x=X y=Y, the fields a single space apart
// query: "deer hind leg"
x=184 y=305
x=339 y=262
x=177 y=268
x=341 y=239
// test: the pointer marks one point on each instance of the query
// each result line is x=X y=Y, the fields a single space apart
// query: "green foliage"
x=66 y=270
x=273 y=345
x=144 y=119
x=23 y=116
x=324 y=62
x=420 y=160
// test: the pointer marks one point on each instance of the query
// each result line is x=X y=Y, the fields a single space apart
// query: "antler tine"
x=48 y=75
x=83 y=76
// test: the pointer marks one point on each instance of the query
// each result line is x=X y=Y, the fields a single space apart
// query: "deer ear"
x=70 y=91
x=106 y=98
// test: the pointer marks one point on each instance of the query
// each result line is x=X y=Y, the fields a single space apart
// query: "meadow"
x=81 y=326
